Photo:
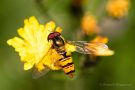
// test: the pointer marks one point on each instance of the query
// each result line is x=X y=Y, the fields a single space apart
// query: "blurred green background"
x=115 y=72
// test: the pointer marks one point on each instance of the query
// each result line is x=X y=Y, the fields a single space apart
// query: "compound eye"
x=57 y=34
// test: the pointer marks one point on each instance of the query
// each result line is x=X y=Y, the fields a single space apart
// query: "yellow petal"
x=17 y=43
x=58 y=29
x=50 y=26
x=100 y=39
x=28 y=65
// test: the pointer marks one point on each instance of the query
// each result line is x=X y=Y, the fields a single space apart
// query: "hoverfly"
x=66 y=63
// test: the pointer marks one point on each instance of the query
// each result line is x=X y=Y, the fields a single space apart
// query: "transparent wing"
x=89 y=47
x=36 y=74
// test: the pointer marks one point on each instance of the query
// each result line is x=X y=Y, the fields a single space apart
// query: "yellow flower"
x=118 y=8
x=89 y=24
x=33 y=47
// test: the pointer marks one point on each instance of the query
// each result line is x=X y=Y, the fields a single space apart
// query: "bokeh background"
x=115 y=72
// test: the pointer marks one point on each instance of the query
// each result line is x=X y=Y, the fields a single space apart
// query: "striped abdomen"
x=67 y=65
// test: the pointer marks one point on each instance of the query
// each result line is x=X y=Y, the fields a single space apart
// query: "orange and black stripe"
x=67 y=65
